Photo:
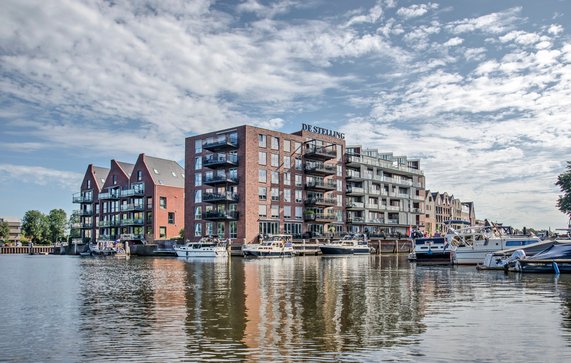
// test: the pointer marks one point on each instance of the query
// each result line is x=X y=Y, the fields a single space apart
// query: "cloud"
x=490 y=23
x=39 y=175
x=374 y=14
x=555 y=29
x=452 y=42
x=416 y=10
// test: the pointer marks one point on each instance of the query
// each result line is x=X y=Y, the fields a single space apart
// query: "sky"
x=480 y=91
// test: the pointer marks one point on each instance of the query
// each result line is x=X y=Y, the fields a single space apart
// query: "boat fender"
x=555 y=267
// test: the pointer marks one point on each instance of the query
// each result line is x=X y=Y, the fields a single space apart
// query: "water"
x=351 y=309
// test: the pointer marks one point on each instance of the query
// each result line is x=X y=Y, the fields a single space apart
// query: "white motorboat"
x=471 y=244
x=431 y=250
x=277 y=245
x=206 y=247
x=351 y=244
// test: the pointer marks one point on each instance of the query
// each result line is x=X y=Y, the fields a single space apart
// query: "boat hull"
x=220 y=253
x=434 y=258
x=336 y=250
x=254 y=253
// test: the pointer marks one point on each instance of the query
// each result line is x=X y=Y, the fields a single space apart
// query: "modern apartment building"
x=142 y=201
x=385 y=193
x=247 y=181
x=15 y=226
x=442 y=207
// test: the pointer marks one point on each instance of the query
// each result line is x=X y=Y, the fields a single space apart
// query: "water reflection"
x=361 y=308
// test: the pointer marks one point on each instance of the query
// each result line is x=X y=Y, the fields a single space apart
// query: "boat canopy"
x=557 y=251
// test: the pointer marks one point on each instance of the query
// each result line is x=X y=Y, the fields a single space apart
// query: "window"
x=197 y=163
x=275 y=211
x=163 y=202
x=197 y=179
x=275 y=143
x=275 y=160
x=262 y=193
x=149 y=202
x=197 y=146
x=221 y=229
x=233 y=230
x=298 y=180
x=275 y=177
x=287 y=211
x=339 y=200
x=139 y=175
x=171 y=217
x=262 y=140
x=88 y=184
x=287 y=178
x=287 y=162
x=298 y=196
x=298 y=213
x=269 y=228
x=114 y=179
x=198 y=230
x=298 y=164
x=287 y=146
x=297 y=146
x=275 y=194
x=262 y=176
x=198 y=213
x=162 y=232
x=287 y=195
x=209 y=229
x=198 y=196
x=262 y=158
x=339 y=170
x=262 y=210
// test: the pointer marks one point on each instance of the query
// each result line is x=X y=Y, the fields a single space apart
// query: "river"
x=350 y=309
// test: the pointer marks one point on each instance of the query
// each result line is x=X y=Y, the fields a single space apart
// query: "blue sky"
x=479 y=90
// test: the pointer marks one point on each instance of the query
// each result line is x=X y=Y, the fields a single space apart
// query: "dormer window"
x=114 y=179
x=139 y=175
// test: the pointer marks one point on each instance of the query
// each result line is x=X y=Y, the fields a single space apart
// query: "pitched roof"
x=127 y=168
x=165 y=172
x=100 y=174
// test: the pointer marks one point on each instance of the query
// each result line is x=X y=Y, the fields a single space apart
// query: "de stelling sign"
x=322 y=131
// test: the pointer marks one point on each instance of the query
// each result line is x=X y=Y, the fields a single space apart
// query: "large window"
x=197 y=163
x=262 y=193
x=275 y=194
x=275 y=160
x=287 y=146
x=262 y=158
x=198 y=230
x=287 y=195
x=298 y=180
x=262 y=140
x=197 y=146
x=298 y=213
x=262 y=210
x=162 y=232
x=298 y=165
x=197 y=179
x=171 y=217
x=287 y=162
x=221 y=229
x=275 y=177
x=275 y=143
x=163 y=202
x=287 y=178
x=287 y=211
x=275 y=211
x=298 y=196
x=269 y=228
x=198 y=196
x=262 y=176
x=233 y=230
x=198 y=213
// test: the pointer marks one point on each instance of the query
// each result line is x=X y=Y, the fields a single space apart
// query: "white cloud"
x=39 y=175
x=416 y=10
x=374 y=14
x=520 y=37
x=490 y=23
x=476 y=54
x=452 y=42
x=555 y=29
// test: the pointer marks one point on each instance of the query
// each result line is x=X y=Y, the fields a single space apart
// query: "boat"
x=277 y=245
x=351 y=244
x=206 y=247
x=499 y=260
x=431 y=250
x=103 y=249
x=470 y=245
x=555 y=259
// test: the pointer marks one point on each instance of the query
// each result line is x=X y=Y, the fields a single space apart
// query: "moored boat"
x=206 y=247
x=351 y=244
x=555 y=259
x=431 y=250
x=277 y=245
x=498 y=260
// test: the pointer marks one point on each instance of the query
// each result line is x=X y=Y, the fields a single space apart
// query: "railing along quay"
x=21 y=250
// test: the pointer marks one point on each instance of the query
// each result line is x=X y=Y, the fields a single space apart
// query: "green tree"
x=73 y=225
x=56 y=220
x=34 y=225
x=4 y=231
x=181 y=233
x=564 y=182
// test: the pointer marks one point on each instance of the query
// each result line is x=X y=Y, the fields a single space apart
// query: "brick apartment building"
x=443 y=207
x=247 y=180
x=142 y=201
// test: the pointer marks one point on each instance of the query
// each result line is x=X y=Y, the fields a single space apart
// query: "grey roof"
x=127 y=168
x=100 y=175
x=165 y=172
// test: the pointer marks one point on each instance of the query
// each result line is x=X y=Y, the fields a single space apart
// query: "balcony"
x=133 y=222
x=110 y=195
x=353 y=160
x=320 y=153
x=86 y=212
x=393 y=208
x=223 y=143
x=221 y=179
x=355 y=205
x=353 y=175
x=82 y=198
x=220 y=161
x=320 y=169
x=319 y=201
x=113 y=223
x=375 y=221
x=355 y=220
x=392 y=221
x=220 y=197
x=319 y=217
x=86 y=225
x=416 y=211
x=220 y=215
x=132 y=207
x=138 y=191
x=320 y=185
x=355 y=191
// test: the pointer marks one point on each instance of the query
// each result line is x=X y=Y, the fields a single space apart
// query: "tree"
x=4 y=231
x=34 y=225
x=56 y=220
x=181 y=234
x=73 y=225
x=564 y=182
